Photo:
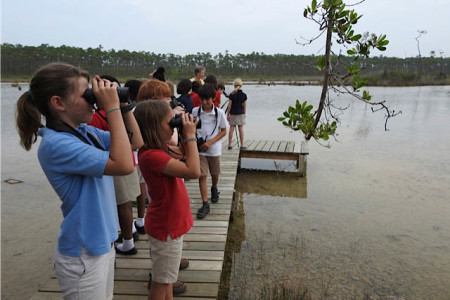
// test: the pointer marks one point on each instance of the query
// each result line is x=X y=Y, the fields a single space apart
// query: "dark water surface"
x=371 y=218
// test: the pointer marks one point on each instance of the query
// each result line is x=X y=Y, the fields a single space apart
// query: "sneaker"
x=184 y=263
x=203 y=211
x=230 y=147
x=139 y=229
x=120 y=237
x=214 y=195
x=178 y=287
x=132 y=251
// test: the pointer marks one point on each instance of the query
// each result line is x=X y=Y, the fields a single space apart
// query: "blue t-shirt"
x=186 y=100
x=75 y=171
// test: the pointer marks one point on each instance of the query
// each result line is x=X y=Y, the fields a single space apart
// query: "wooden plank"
x=47 y=296
x=189 y=254
x=204 y=237
x=296 y=147
x=290 y=147
x=253 y=146
x=184 y=275
x=267 y=146
x=260 y=146
x=213 y=217
x=219 y=205
x=209 y=230
x=270 y=155
x=208 y=223
x=194 y=265
x=203 y=246
x=282 y=147
x=214 y=210
x=275 y=146
x=194 y=237
x=249 y=143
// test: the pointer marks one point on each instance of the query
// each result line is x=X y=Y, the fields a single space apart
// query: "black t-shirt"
x=237 y=103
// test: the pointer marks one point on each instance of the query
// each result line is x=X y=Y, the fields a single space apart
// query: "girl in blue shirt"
x=77 y=160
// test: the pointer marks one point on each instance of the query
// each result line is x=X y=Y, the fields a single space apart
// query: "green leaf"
x=356 y=37
x=314 y=5
x=366 y=96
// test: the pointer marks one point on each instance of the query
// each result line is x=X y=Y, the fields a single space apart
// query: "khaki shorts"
x=166 y=258
x=127 y=187
x=237 y=119
x=211 y=163
x=141 y=178
x=86 y=276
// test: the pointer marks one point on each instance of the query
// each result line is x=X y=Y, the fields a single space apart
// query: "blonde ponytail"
x=237 y=83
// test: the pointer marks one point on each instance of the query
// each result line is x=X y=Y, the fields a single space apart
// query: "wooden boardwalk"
x=204 y=245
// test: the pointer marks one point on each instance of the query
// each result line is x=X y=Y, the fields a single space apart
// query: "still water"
x=370 y=220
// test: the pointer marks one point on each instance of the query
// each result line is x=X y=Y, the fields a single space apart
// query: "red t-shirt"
x=169 y=211
x=217 y=99
x=196 y=101
x=99 y=121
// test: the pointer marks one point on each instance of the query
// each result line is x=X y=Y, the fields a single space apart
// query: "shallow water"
x=375 y=219
x=371 y=218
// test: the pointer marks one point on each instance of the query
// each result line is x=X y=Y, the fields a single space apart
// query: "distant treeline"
x=20 y=62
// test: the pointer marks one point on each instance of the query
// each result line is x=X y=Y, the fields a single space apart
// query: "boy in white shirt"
x=213 y=129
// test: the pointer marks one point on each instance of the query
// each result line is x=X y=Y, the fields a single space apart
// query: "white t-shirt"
x=209 y=122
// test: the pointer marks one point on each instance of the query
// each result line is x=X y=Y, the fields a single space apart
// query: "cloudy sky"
x=239 y=26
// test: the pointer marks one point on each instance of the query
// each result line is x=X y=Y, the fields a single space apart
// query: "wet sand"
x=30 y=226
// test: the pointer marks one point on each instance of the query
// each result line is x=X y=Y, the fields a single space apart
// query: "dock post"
x=302 y=162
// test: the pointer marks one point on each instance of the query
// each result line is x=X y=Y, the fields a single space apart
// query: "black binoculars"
x=122 y=92
x=176 y=122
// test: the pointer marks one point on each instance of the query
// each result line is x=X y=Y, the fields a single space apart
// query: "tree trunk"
x=326 y=75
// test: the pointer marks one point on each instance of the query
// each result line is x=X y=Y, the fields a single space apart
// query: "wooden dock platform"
x=277 y=150
x=204 y=245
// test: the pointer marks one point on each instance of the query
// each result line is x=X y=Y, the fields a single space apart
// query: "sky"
x=215 y=26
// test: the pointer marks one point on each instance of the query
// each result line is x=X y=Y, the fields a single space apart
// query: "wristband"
x=111 y=110
x=192 y=139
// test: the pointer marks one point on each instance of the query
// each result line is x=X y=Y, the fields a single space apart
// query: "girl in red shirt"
x=169 y=214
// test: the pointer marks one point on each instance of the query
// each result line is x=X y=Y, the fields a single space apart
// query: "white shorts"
x=166 y=258
x=86 y=277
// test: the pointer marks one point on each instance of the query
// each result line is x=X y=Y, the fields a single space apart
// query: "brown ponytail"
x=28 y=120
x=54 y=79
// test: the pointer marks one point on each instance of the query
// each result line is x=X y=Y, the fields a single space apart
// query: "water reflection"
x=272 y=183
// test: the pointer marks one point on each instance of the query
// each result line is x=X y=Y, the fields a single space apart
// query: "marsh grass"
x=266 y=267
x=264 y=260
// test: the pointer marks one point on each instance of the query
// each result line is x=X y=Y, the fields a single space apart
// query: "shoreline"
x=300 y=82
